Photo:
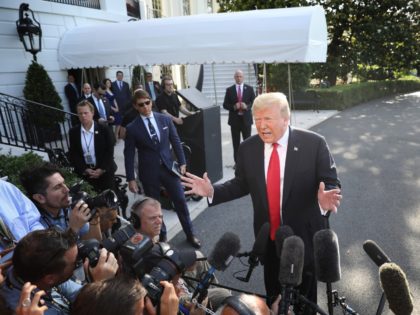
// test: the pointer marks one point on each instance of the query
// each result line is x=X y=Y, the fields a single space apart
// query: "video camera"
x=152 y=263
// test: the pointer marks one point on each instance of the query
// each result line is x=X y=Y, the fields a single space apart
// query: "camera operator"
x=47 y=259
x=147 y=220
x=122 y=295
x=45 y=185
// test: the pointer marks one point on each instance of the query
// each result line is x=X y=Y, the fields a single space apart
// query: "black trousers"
x=241 y=127
x=175 y=191
x=308 y=287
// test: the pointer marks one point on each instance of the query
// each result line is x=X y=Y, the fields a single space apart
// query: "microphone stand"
x=329 y=287
x=226 y=287
x=381 y=304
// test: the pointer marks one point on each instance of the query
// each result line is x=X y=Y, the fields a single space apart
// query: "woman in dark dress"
x=114 y=107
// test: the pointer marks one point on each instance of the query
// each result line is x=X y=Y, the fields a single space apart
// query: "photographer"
x=47 y=259
x=147 y=220
x=122 y=295
x=46 y=187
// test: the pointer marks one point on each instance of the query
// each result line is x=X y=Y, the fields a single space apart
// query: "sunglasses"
x=144 y=103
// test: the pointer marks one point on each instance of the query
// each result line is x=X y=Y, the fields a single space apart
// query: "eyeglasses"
x=143 y=103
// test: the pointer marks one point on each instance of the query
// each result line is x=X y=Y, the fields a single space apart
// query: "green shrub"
x=11 y=166
x=39 y=88
x=344 y=96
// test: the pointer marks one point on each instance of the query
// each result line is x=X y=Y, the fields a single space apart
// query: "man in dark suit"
x=86 y=92
x=91 y=151
x=153 y=88
x=152 y=134
x=238 y=101
x=102 y=108
x=307 y=184
x=121 y=90
x=71 y=90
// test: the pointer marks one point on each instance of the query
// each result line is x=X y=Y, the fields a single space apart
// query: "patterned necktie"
x=274 y=191
x=153 y=133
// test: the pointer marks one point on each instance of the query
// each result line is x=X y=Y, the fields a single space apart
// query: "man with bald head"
x=292 y=179
x=238 y=101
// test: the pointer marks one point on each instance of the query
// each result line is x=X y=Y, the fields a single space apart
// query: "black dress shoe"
x=194 y=241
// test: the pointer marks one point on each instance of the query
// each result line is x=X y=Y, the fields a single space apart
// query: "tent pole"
x=214 y=82
x=291 y=101
x=264 y=87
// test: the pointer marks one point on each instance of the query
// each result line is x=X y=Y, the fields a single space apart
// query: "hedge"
x=11 y=166
x=345 y=96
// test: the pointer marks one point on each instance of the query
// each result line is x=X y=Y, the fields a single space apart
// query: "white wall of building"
x=55 y=20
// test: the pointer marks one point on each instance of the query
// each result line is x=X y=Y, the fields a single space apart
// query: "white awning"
x=273 y=36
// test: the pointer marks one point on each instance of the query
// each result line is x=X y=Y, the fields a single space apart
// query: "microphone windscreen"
x=375 y=253
x=283 y=232
x=291 y=261
x=224 y=251
x=396 y=289
x=260 y=245
x=327 y=256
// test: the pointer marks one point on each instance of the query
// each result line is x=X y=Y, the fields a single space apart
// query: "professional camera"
x=90 y=248
x=155 y=263
x=107 y=198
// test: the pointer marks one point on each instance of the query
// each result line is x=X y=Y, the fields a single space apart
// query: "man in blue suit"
x=122 y=93
x=152 y=134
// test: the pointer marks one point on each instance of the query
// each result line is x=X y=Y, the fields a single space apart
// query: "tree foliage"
x=39 y=88
x=371 y=36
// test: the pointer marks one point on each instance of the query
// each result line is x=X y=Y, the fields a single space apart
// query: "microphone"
x=258 y=251
x=291 y=268
x=226 y=248
x=395 y=285
x=379 y=258
x=283 y=232
x=327 y=256
x=375 y=253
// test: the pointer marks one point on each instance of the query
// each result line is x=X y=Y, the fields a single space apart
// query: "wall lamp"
x=30 y=34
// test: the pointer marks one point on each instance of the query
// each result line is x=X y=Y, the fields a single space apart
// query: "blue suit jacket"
x=151 y=156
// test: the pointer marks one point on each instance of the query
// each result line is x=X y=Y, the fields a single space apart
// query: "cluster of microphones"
x=290 y=251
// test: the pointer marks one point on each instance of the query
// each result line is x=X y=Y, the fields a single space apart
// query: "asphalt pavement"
x=376 y=147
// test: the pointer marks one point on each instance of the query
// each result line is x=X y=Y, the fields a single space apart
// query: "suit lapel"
x=96 y=140
x=292 y=158
x=260 y=173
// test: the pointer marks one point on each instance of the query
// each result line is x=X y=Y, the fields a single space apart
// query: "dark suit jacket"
x=107 y=106
x=104 y=149
x=123 y=96
x=72 y=96
x=231 y=98
x=150 y=156
x=308 y=162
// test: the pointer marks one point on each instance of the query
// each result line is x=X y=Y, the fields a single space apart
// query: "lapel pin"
x=96 y=132
x=295 y=149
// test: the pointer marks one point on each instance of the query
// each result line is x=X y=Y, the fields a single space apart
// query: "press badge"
x=88 y=159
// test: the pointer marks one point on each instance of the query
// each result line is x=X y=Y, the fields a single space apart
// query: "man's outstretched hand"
x=198 y=186
x=329 y=200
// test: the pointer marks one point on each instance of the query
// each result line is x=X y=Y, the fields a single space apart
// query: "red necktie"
x=239 y=94
x=274 y=191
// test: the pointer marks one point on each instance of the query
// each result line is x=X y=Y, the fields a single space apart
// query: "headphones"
x=134 y=218
x=240 y=307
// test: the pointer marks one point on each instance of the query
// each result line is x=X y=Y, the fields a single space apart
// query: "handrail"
x=21 y=124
